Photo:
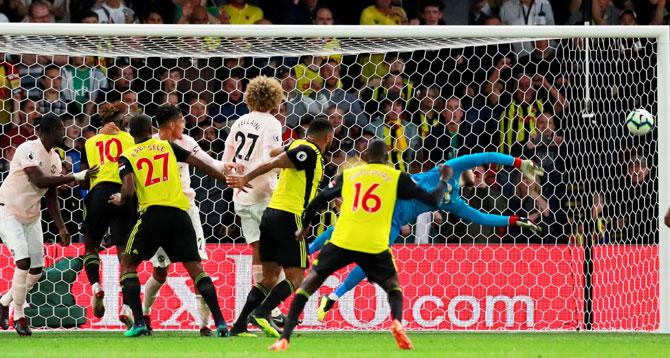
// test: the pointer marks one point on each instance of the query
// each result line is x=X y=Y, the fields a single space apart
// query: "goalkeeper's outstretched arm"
x=469 y=161
x=470 y=214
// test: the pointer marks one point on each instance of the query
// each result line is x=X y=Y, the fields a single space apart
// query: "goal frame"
x=660 y=33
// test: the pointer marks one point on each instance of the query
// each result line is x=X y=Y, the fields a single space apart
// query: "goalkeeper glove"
x=531 y=170
x=527 y=224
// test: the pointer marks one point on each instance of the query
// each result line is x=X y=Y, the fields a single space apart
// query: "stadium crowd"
x=429 y=106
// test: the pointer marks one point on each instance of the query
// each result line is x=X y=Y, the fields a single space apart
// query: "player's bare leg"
x=34 y=275
x=206 y=288
x=311 y=283
x=151 y=288
x=256 y=296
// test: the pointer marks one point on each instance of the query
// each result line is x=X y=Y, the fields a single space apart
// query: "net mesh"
x=559 y=102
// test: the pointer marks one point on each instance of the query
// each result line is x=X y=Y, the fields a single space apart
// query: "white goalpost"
x=602 y=262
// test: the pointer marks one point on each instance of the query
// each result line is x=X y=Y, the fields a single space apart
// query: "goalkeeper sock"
x=31 y=280
x=130 y=284
x=279 y=293
x=19 y=291
x=151 y=289
x=92 y=267
x=353 y=279
x=208 y=292
x=299 y=300
x=203 y=309
x=321 y=240
x=256 y=296
x=395 y=302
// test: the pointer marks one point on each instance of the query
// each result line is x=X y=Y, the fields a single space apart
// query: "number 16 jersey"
x=369 y=194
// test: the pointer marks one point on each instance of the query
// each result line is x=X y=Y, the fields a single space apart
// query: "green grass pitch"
x=443 y=344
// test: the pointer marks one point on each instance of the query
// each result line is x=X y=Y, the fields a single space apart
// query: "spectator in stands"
x=324 y=16
x=115 y=12
x=39 y=11
x=23 y=125
x=444 y=140
x=480 y=11
x=83 y=83
x=393 y=87
x=196 y=14
x=526 y=12
x=121 y=77
x=628 y=18
x=528 y=202
x=242 y=13
x=383 y=13
x=129 y=98
x=543 y=61
x=300 y=12
x=90 y=17
x=630 y=206
x=307 y=74
x=342 y=136
x=52 y=98
x=393 y=132
x=431 y=12
x=354 y=156
x=288 y=134
x=333 y=93
x=224 y=115
x=518 y=121
x=9 y=89
x=425 y=109
x=153 y=18
x=197 y=114
x=603 y=12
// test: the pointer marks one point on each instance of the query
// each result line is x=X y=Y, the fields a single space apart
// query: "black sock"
x=395 y=301
x=92 y=267
x=208 y=293
x=130 y=284
x=256 y=296
x=299 y=300
x=277 y=295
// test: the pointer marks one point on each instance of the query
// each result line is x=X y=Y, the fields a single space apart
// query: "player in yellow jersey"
x=369 y=193
x=104 y=150
x=302 y=171
x=149 y=170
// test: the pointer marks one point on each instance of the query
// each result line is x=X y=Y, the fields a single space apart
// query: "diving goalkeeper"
x=407 y=210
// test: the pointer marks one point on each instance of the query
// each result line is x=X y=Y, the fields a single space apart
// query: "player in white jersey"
x=251 y=142
x=172 y=131
x=34 y=172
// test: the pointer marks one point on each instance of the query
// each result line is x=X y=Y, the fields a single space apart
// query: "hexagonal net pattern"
x=557 y=102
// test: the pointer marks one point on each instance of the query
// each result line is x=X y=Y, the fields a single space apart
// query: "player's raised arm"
x=408 y=189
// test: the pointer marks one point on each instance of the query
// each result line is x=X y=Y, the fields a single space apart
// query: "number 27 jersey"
x=104 y=150
x=250 y=141
x=157 y=181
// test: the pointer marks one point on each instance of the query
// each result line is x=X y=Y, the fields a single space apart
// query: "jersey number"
x=242 y=139
x=368 y=196
x=105 y=150
x=150 y=168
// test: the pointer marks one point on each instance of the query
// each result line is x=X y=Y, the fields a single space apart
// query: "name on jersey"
x=250 y=122
x=156 y=147
x=384 y=175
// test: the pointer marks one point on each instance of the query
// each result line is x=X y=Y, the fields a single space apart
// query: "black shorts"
x=101 y=216
x=377 y=267
x=166 y=227
x=277 y=241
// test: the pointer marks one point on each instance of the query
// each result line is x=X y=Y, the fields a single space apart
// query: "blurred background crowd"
x=429 y=106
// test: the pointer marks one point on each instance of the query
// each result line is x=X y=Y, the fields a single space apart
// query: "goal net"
x=550 y=95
